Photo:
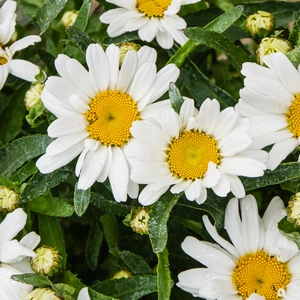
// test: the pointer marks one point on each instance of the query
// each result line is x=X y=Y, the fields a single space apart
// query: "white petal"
x=148 y=196
x=83 y=294
x=211 y=176
x=187 y=111
x=30 y=240
x=4 y=71
x=24 y=43
x=236 y=186
x=113 y=56
x=146 y=54
x=193 y=191
x=233 y=143
x=164 y=39
x=148 y=31
x=13 y=251
x=106 y=169
x=119 y=175
x=23 y=69
x=227 y=120
x=12 y=224
x=275 y=205
x=171 y=123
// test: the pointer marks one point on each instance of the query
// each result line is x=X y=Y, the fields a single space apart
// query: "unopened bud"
x=125 y=47
x=42 y=294
x=69 y=18
x=33 y=95
x=293 y=210
x=9 y=199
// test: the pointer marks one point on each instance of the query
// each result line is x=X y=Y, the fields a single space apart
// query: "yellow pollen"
x=153 y=8
x=3 y=60
x=110 y=117
x=189 y=154
x=293 y=117
x=262 y=274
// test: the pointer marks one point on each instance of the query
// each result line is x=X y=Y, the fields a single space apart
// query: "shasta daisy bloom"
x=259 y=263
x=14 y=255
x=153 y=19
x=271 y=99
x=194 y=151
x=95 y=110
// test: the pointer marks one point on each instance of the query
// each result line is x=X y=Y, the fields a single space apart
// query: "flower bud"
x=47 y=261
x=272 y=45
x=9 y=199
x=260 y=24
x=41 y=294
x=122 y=274
x=138 y=219
x=293 y=210
x=125 y=47
x=33 y=95
x=69 y=18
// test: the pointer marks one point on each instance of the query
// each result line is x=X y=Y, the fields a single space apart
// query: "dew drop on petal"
x=198 y=256
x=257 y=121
x=204 y=249
x=12 y=282
x=8 y=274
x=280 y=88
x=207 y=275
x=211 y=255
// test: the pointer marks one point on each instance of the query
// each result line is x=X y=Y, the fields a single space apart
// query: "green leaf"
x=33 y=279
x=24 y=172
x=52 y=235
x=223 y=4
x=131 y=288
x=15 y=154
x=283 y=172
x=13 y=115
x=289 y=231
x=40 y=183
x=295 y=33
x=81 y=200
x=159 y=216
x=97 y=296
x=294 y=56
x=35 y=115
x=111 y=233
x=48 y=12
x=135 y=263
x=83 y=15
x=175 y=97
x=164 y=281
x=219 y=42
x=219 y=25
x=201 y=88
x=63 y=290
x=110 y=206
x=50 y=206
x=94 y=242
x=80 y=38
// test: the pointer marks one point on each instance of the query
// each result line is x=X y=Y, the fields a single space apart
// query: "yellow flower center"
x=293 y=117
x=153 y=8
x=262 y=274
x=190 y=153
x=3 y=60
x=110 y=117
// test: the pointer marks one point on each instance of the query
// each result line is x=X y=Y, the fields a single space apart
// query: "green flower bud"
x=9 y=199
x=272 y=45
x=293 y=210
x=47 y=261
x=69 y=18
x=41 y=294
x=125 y=47
x=260 y=24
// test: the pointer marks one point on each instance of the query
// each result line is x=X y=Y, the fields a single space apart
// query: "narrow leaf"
x=81 y=200
x=33 y=279
x=15 y=154
x=164 y=281
x=48 y=12
x=159 y=216
x=289 y=231
x=135 y=263
x=175 y=97
x=83 y=15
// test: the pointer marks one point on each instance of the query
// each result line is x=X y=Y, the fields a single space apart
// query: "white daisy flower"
x=17 y=67
x=194 y=151
x=260 y=263
x=14 y=255
x=95 y=110
x=271 y=99
x=153 y=19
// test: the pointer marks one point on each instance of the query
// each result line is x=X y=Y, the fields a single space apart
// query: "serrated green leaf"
x=159 y=216
x=201 y=88
x=93 y=244
x=110 y=206
x=52 y=235
x=80 y=38
x=83 y=15
x=219 y=25
x=81 y=200
x=282 y=173
x=15 y=154
x=164 y=281
x=40 y=183
x=33 y=279
x=111 y=233
x=13 y=115
x=219 y=42
x=50 y=206
x=131 y=288
x=289 y=231
x=48 y=12
x=135 y=263
x=175 y=97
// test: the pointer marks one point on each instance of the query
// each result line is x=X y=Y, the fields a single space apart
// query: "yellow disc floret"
x=110 y=117
x=3 y=60
x=293 y=117
x=153 y=8
x=261 y=274
x=189 y=154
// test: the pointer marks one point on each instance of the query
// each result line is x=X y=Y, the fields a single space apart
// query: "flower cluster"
x=156 y=105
